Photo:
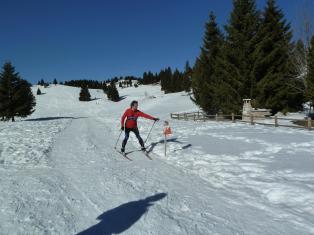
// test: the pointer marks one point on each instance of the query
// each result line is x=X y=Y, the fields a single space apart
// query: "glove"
x=156 y=119
x=122 y=128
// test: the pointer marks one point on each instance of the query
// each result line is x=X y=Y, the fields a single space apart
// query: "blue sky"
x=100 y=39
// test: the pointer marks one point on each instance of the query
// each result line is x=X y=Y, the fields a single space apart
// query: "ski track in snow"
x=59 y=172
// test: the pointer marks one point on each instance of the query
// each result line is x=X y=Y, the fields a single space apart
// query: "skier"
x=129 y=123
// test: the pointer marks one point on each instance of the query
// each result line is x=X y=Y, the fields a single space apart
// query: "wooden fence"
x=268 y=121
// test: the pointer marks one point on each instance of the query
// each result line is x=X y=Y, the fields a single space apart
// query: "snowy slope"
x=59 y=173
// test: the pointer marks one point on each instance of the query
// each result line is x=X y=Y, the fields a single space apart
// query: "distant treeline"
x=92 y=84
x=108 y=87
x=42 y=82
x=95 y=84
x=170 y=81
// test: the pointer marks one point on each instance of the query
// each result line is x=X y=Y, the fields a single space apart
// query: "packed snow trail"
x=101 y=180
x=81 y=185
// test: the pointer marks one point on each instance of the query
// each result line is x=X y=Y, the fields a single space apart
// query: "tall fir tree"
x=240 y=45
x=16 y=97
x=205 y=66
x=55 y=82
x=310 y=74
x=113 y=93
x=273 y=65
x=105 y=87
x=42 y=82
x=165 y=79
x=186 y=83
x=84 y=94
x=38 y=91
x=176 y=82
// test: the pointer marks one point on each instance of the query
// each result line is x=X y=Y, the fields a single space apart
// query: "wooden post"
x=309 y=123
x=185 y=116
x=252 y=119
x=194 y=117
x=165 y=139
x=233 y=119
x=216 y=117
x=276 y=121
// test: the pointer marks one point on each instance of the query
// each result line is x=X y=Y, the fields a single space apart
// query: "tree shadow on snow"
x=95 y=99
x=173 y=140
x=51 y=118
x=183 y=147
x=121 y=218
x=122 y=97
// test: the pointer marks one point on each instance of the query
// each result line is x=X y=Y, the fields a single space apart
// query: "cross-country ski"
x=125 y=155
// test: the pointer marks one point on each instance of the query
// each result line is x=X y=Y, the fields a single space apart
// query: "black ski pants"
x=127 y=135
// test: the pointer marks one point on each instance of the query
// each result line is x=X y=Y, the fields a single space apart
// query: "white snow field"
x=59 y=173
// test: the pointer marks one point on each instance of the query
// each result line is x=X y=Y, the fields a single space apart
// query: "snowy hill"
x=59 y=173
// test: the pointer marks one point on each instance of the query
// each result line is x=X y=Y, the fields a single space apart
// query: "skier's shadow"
x=121 y=218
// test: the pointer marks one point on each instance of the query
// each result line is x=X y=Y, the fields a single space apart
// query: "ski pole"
x=150 y=132
x=118 y=139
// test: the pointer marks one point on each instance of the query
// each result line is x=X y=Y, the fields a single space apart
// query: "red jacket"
x=132 y=116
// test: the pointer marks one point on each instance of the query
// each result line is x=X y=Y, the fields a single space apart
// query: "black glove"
x=122 y=128
x=156 y=119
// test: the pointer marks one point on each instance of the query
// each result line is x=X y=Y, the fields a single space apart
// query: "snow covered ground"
x=59 y=173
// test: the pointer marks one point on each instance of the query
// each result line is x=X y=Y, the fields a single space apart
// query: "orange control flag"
x=167 y=129
x=167 y=132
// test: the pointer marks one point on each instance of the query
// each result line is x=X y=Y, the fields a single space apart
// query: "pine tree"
x=310 y=75
x=166 y=77
x=105 y=87
x=42 y=82
x=84 y=94
x=175 y=82
x=186 y=83
x=113 y=93
x=240 y=46
x=16 y=97
x=273 y=65
x=205 y=66
x=39 y=92
x=55 y=82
